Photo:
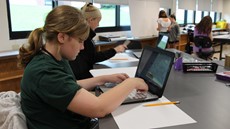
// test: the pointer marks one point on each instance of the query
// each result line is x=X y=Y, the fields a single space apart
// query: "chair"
x=203 y=42
x=188 y=47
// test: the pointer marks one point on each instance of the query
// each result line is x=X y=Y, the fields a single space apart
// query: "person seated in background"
x=163 y=23
x=89 y=56
x=51 y=98
x=174 y=32
x=203 y=28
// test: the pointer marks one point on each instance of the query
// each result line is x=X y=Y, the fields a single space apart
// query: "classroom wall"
x=5 y=43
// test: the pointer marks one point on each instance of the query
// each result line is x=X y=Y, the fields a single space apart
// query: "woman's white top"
x=164 y=24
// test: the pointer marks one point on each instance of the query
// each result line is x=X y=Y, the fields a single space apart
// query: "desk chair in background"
x=203 y=42
x=190 y=39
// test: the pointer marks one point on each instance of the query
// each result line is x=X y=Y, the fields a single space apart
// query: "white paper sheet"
x=120 y=58
x=135 y=116
x=128 y=70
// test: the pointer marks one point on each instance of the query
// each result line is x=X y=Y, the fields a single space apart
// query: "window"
x=180 y=16
x=124 y=13
x=218 y=17
x=212 y=15
x=34 y=13
x=190 y=16
x=205 y=13
x=115 y=17
x=198 y=16
x=108 y=13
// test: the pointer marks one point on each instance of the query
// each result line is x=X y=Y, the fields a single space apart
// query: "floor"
x=226 y=50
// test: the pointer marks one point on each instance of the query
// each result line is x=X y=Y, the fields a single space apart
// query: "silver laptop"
x=154 y=67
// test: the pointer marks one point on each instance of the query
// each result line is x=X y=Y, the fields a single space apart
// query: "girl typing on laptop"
x=50 y=96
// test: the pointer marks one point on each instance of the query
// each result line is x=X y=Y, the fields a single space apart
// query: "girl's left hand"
x=116 y=78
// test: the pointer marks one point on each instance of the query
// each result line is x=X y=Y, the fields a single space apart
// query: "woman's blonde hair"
x=90 y=11
x=62 y=19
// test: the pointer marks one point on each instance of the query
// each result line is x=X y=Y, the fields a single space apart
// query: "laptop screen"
x=162 y=41
x=158 y=69
x=155 y=69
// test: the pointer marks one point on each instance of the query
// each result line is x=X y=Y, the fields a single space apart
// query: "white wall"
x=5 y=43
x=143 y=17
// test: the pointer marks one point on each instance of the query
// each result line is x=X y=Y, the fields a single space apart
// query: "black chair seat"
x=203 y=42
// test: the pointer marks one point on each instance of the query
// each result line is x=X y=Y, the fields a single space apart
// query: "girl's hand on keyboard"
x=139 y=84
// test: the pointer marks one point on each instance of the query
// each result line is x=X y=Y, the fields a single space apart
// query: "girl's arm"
x=90 y=83
x=89 y=105
x=210 y=35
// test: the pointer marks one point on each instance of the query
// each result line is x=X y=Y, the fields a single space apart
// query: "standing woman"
x=204 y=28
x=174 y=32
x=89 y=56
x=163 y=23
x=50 y=96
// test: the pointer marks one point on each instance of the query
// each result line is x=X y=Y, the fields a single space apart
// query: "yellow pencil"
x=163 y=103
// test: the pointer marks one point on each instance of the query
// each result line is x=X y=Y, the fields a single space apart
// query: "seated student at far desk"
x=204 y=28
x=89 y=56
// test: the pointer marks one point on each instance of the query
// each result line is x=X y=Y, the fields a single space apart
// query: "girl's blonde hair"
x=62 y=19
x=90 y=11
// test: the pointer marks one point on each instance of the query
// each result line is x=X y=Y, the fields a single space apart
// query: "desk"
x=145 y=40
x=202 y=97
x=222 y=39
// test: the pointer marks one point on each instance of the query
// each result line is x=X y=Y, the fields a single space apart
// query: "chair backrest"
x=202 y=41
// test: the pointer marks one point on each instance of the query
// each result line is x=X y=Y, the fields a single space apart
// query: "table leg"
x=221 y=50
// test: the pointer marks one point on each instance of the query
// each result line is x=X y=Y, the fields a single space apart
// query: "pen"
x=119 y=59
x=163 y=103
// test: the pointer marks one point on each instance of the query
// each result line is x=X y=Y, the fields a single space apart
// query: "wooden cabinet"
x=10 y=74
x=183 y=41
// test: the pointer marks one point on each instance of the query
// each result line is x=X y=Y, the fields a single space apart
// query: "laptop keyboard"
x=137 y=95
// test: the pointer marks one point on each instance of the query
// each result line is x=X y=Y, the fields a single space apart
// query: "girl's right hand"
x=138 y=83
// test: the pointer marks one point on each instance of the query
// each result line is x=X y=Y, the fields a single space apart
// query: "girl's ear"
x=61 y=37
x=90 y=19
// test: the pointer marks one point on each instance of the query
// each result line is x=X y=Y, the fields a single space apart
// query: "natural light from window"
x=34 y=13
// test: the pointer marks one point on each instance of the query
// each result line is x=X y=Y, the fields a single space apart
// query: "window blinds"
x=117 y=2
x=204 y=5
x=217 y=5
x=187 y=4
x=166 y=4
